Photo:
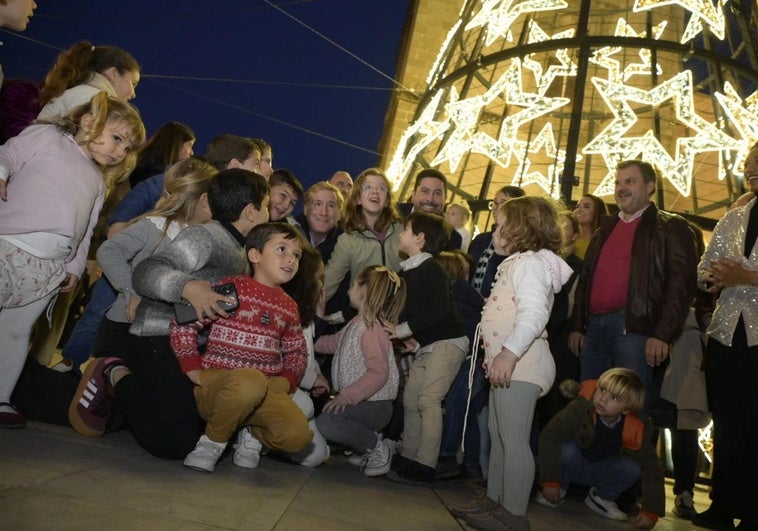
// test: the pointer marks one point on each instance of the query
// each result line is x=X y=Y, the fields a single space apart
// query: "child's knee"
x=246 y=387
x=293 y=436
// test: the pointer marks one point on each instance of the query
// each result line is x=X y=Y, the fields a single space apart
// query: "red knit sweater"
x=263 y=333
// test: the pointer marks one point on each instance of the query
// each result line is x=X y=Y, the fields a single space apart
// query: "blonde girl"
x=81 y=72
x=364 y=372
x=517 y=358
x=459 y=217
x=372 y=231
x=51 y=191
x=184 y=202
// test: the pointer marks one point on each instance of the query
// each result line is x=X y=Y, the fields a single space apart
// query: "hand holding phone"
x=185 y=312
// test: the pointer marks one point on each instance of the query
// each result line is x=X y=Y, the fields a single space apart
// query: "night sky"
x=320 y=104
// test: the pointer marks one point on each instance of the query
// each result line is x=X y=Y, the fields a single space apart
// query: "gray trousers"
x=357 y=426
x=511 y=470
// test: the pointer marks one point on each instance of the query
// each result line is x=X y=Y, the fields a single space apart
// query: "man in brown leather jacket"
x=637 y=283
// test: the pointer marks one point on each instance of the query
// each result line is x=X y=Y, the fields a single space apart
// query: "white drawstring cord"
x=471 y=369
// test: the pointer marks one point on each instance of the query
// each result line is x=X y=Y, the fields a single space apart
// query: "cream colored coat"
x=517 y=311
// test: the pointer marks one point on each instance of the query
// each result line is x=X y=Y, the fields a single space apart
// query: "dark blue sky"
x=277 y=78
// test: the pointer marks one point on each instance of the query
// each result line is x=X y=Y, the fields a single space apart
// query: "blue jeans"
x=455 y=411
x=79 y=346
x=610 y=476
x=607 y=344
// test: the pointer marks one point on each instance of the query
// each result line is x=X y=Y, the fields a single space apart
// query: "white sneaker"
x=247 y=449
x=539 y=498
x=379 y=459
x=63 y=366
x=205 y=455
x=603 y=507
x=358 y=459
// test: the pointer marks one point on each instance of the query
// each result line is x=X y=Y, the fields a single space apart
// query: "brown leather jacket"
x=662 y=277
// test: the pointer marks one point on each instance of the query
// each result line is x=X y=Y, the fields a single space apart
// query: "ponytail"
x=76 y=65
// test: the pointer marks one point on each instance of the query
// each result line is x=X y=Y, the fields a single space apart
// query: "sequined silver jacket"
x=728 y=241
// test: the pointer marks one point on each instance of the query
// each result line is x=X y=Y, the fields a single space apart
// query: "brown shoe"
x=511 y=521
x=480 y=504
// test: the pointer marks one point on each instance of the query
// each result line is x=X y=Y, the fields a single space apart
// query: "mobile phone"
x=185 y=312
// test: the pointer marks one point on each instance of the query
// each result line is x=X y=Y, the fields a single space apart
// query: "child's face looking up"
x=607 y=405
x=278 y=262
x=111 y=145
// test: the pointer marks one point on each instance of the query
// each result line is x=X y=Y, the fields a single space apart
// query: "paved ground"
x=51 y=478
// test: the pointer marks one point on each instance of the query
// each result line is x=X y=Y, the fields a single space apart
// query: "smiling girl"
x=372 y=231
x=52 y=183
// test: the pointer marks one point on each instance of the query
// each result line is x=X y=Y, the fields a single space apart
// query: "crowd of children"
x=422 y=348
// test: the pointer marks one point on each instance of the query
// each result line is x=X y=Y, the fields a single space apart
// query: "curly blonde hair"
x=530 y=224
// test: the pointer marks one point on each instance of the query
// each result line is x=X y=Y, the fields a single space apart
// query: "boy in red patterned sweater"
x=252 y=360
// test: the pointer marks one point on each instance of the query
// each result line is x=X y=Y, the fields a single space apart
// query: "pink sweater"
x=364 y=365
x=53 y=187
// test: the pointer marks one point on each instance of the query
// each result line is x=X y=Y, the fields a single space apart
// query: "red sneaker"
x=91 y=406
x=9 y=417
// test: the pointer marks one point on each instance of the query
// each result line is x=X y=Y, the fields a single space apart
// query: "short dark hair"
x=430 y=172
x=512 y=191
x=232 y=190
x=436 y=230
x=649 y=175
x=225 y=148
x=265 y=231
x=286 y=178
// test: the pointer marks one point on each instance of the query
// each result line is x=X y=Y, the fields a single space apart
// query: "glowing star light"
x=744 y=118
x=679 y=90
x=498 y=15
x=464 y=115
x=701 y=11
x=534 y=105
x=550 y=180
x=603 y=58
x=566 y=68
x=430 y=130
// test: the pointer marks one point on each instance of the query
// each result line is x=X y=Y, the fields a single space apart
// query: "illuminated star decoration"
x=434 y=71
x=431 y=130
x=677 y=170
x=603 y=58
x=548 y=181
x=497 y=16
x=464 y=115
x=567 y=66
x=535 y=105
x=744 y=118
x=701 y=11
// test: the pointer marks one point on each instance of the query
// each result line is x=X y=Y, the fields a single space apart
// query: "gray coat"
x=200 y=252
